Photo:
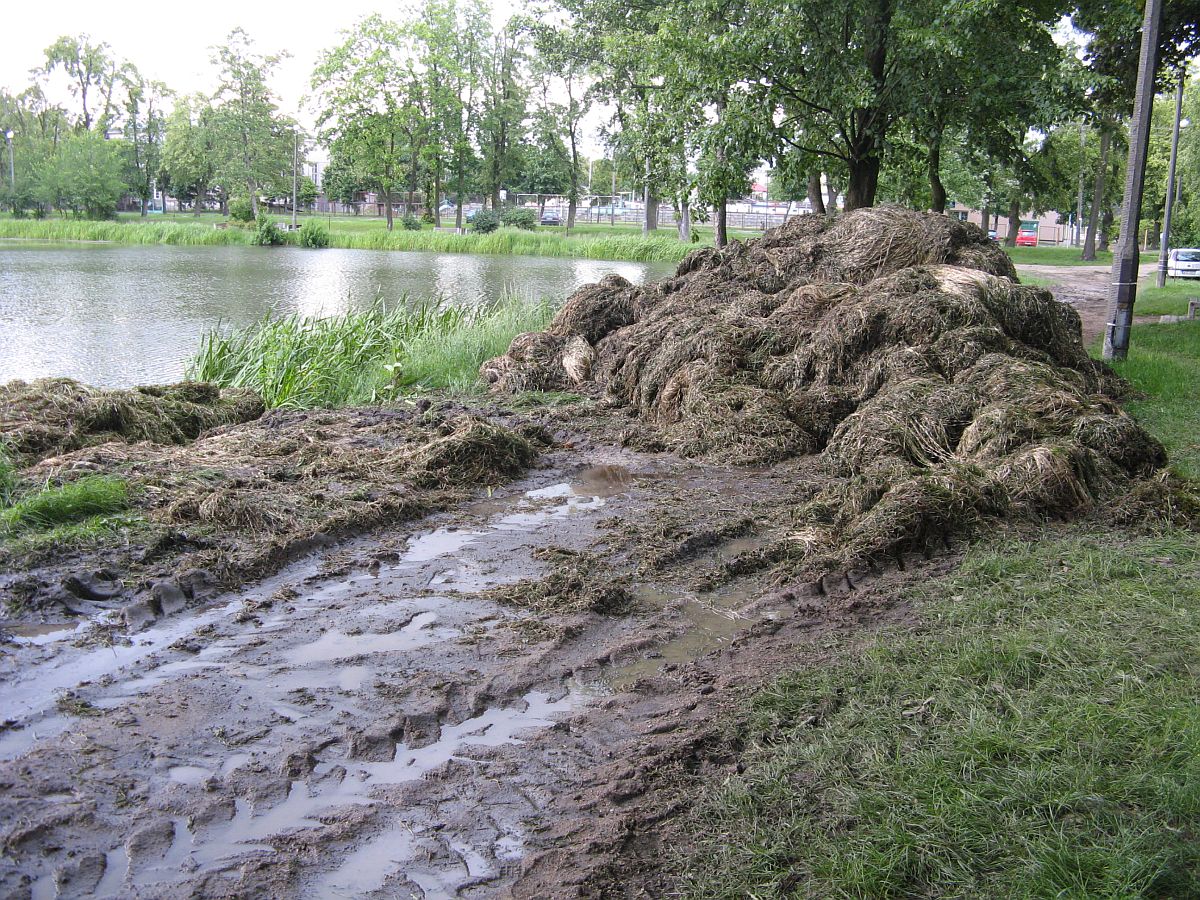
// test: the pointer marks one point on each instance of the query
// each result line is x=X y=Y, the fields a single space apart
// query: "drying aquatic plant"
x=54 y=415
x=893 y=348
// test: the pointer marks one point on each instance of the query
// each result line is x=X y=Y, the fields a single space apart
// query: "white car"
x=1184 y=263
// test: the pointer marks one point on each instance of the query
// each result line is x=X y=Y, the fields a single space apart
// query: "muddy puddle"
x=357 y=723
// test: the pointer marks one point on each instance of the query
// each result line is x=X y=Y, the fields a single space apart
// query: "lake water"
x=114 y=315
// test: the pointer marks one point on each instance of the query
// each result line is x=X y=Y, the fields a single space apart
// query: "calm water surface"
x=116 y=315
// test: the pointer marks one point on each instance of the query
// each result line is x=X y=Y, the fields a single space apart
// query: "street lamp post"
x=1165 y=250
x=12 y=171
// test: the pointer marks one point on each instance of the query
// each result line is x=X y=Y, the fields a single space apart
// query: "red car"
x=1027 y=234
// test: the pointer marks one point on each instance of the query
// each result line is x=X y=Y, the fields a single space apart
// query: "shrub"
x=519 y=217
x=266 y=233
x=241 y=210
x=485 y=222
x=411 y=223
x=314 y=235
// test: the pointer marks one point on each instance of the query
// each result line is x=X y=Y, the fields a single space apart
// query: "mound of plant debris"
x=242 y=500
x=50 y=416
x=894 y=348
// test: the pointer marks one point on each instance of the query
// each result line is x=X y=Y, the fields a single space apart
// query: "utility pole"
x=1165 y=249
x=1082 y=186
x=1125 y=260
x=295 y=155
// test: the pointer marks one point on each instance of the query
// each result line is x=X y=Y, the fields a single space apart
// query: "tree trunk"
x=458 y=212
x=437 y=195
x=815 y=200
x=387 y=202
x=684 y=226
x=253 y=198
x=1014 y=223
x=573 y=197
x=1106 y=223
x=937 y=190
x=650 y=217
x=831 y=196
x=722 y=235
x=864 y=177
x=1089 y=243
x=984 y=218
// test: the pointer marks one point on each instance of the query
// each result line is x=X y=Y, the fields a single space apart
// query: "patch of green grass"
x=1171 y=300
x=8 y=479
x=56 y=505
x=366 y=356
x=90 y=532
x=1164 y=366
x=1037 y=736
x=1063 y=256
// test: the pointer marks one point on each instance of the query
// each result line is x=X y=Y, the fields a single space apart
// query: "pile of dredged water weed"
x=242 y=500
x=50 y=416
x=894 y=348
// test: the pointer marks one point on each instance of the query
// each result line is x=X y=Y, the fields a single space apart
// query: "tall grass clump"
x=364 y=356
x=122 y=232
x=8 y=479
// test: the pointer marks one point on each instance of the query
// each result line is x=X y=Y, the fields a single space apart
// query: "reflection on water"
x=114 y=315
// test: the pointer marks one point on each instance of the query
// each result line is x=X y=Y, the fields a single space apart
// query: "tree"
x=189 y=153
x=144 y=130
x=499 y=125
x=366 y=87
x=254 y=144
x=84 y=176
x=92 y=76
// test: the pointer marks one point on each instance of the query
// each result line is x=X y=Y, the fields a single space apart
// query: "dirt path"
x=370 y=723
x=1085 y=288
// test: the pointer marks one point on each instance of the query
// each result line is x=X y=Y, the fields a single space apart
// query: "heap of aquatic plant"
x=50 y=416
x=893 y=348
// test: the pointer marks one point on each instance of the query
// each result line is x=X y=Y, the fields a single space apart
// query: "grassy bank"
x=1164 y=365
x=364 y=357
x=1171 y=300
x=1064 y=256
x=506 y=241
x=1036 y=734
x=514 y=242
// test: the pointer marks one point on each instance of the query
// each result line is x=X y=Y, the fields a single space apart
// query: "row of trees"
x=123 y=134
x=993 y=105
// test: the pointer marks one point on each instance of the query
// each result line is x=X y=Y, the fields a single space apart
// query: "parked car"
x=1027 y=234
x=1183 y=263
x=550 y=217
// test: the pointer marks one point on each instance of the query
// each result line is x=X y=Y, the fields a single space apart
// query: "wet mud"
x=374 y=719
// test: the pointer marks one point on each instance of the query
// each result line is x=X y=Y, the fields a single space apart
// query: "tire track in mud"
x=361 y=724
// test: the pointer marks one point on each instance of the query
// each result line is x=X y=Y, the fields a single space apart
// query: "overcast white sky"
x=173 y=47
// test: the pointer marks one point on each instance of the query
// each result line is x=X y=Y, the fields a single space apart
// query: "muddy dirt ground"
x=380 y=720
x=1086 y=289
x=510 y=698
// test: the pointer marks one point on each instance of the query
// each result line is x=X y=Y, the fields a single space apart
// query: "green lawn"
x=1171 y=300
x=1035 y=734
x=1164 y=365
x=1064 y=256
x=1038 y=735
